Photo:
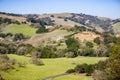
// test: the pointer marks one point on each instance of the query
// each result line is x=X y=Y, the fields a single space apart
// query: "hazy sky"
x=104 y=8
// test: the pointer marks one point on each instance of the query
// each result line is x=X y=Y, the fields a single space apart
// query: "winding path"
x=57 y=76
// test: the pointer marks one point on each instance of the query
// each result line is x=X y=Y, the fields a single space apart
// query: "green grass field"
x=25 y=29
x=52 y=67
x=74 y=77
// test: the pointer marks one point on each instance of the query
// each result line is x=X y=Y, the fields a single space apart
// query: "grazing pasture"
x=52 y=67
x=24 y=29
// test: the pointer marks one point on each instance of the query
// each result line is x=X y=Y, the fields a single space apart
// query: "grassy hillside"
x=46 y=37
x=116 y=27
x=52 y=67
x=60 y=21
x=25 y=29
x=20 y=19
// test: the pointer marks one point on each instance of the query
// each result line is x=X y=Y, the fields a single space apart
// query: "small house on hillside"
x=46 y=26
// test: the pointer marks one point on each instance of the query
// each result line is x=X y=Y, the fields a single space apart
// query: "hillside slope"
x=56 y=35
x=17 y=18
x=66 y=20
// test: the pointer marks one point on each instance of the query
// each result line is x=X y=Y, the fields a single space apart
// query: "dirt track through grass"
x=57 y=76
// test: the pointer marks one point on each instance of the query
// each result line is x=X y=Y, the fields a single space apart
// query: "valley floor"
x=52 y=67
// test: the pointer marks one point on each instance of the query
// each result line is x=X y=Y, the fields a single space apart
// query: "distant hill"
x=67 y=20
x=70 y=19
x=13 y=17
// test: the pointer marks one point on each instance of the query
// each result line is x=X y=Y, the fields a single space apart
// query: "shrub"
x=42 y=30
x=47 y=52
x=72 y=45
x=1 y=78
x=109 y=69
x=83 y=68
x=99 y=75
x=87 y=51
x=36 y=61
x=21 y=50
x=3 y=50
x=18 y=37
x=70 y=71
x=89 y=44
x=70 y=54
x=6 y=63
x=97 y=40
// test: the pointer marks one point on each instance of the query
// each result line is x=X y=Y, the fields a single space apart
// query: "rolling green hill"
x=24 y=29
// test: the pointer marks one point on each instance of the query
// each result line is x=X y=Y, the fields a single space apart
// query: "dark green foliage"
x=18 y=37
x=78 y=29
x=93 y=20
x=12 y=14
x=52 y=16
x=8 y=21
x=72 y=45
x=47 y=52
x=110 y=69
x=20 y=49
x=86 y=51
x=89 y=44
x=113 y=66
x=3 y=50
x=4 y=35
x=90 y=69
x=83 y=68
x=9 y=34
x=23 y=49
x=0 y=20
x=99 y=65
x=70 y=71
x=42 y=30
x=7 y=48
x=109 y=38
x=41 y=21
x=32 y=20
x=61 y=52
x=97 y=40
x=65 y=19
x=95 y=31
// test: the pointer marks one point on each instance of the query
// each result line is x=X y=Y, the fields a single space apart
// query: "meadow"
x=52 y=67
x=24 y=29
